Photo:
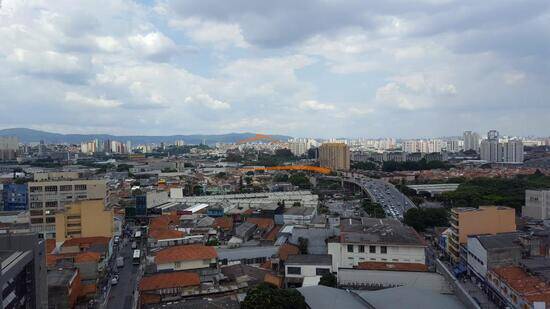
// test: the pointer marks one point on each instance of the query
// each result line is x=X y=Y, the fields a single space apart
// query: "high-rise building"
x=48 y=197
x=494 y=151
x=512 y=151
x=335 y=156
x=490 y=151
x=471 y=141
x=23 y=274
x=8 y=148
x=298 y=148
x=469 y=221
x=453 y=145
x=493 y=135
x=84 y=219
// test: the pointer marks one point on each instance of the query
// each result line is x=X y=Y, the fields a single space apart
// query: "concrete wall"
x=537 y=204
x=306 y=270
x=487 y=220
x=458 y=289
x=341 y=258
x=186 y=265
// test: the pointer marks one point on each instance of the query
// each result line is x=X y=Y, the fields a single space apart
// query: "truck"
x=120 y=261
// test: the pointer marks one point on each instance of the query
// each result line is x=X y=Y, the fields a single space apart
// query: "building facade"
x=8 y=148
x=14 y=197
x=48 y=197
x=84 y=219
x=471 y=141
x=537 y=204
x=475 y=221
x=335 y=156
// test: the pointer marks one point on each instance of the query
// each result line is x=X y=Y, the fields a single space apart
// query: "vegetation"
x=374 y=210
x=300 y=180
x=494 y=191
x=423 y=164
x=302 y=245
x=328 y=280
x=328 y=184
x=268 y=296
x=422 y=218
x=280 y=177
x=368 y=165
x=123 y=167
x=169 y=170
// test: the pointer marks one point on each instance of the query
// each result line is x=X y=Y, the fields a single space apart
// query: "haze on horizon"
x=307 y=68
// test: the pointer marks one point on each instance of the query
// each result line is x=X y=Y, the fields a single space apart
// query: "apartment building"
x=467 y=221
x=48 y=197
x=84 y=219
x=537 y=204
x=335 y=156
x=377 y=241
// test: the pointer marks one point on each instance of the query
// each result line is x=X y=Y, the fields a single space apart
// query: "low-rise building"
x=376 y=240
x=490 y=251
x=186 y=257
x=299 y=215
x=64 y=288
x=537 y=204
x=298 y=267
x=516 y=288
x=165 y=286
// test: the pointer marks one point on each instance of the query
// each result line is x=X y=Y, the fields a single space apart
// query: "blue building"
x=14 y=197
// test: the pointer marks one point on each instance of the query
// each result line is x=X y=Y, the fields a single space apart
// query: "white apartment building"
x=471 y=140
x=46 y=197
x=298 y=148
x=376 y=240
x=537 y=204
x=300 y=266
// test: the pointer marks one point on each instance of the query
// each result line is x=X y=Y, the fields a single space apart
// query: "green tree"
x=374 y=210
x=302 y=245
x=422 y=218
x=329 y=280
x=268 y=296
x=300 y=180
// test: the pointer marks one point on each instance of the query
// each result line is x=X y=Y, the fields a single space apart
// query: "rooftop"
x=169 y=280
x=531 y=287
x=165 y=234
x=392 y=266
x=86 y=241
x=185 y=253
x=60 y=277
x=300 y=211
x=87 y=257
x=286 y=250
x=262 y=223
x=309 y=259
x=499 y=241
x=380 y=231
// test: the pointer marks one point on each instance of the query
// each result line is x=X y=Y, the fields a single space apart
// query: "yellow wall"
x=94 y=221
x=486 y=220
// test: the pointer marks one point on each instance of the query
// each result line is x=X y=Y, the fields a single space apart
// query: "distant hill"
x=30 y=136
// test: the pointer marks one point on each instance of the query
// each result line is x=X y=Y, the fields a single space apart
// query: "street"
x=122 y=294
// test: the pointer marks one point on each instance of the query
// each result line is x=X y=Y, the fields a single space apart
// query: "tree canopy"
x=328 y=280
x=422 y=218
x=268 y=296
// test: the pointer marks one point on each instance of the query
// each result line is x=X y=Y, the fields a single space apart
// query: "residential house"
x=186 y=257
x=166 y=286
x=298 y=267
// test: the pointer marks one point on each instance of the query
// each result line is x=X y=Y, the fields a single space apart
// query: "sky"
x=308 y=68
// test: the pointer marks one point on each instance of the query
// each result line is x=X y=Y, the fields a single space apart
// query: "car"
x=114 y=280
x=117 y=239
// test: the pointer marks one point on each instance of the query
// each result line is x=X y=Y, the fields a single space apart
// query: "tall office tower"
x=453 y=145
x=512 y=151
x=471 y=141
x=298 y=147
x=48 y=197
x=490 y=151
x=8 y=148
x=23 y=274
x=492 y=135
x=335 y=156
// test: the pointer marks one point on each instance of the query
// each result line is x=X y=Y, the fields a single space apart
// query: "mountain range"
x=34 y=136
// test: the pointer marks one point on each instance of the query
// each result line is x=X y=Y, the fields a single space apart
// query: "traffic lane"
x=122 y=293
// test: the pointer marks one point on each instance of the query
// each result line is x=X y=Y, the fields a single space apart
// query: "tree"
x=268 y=296
x=302 y=245
x=328 y=280
x=300 y=180
x=422 y=218
x=374 y=210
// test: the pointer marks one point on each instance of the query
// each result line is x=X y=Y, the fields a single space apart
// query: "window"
x=35 y=189
x=321 y=271
x=51 y=204
x=372 y=249
x=82 y=196
x=350 y=248
x=50 y=188
x=514 y=298
x=177 y=265
x=36 y=220
x=361 y=248
x=395 y=260
x=50 y=219
x=294 y=270
x=36 y=204
x=66 y=188
x=79 y=187
x=383 y=249
x=36 y=212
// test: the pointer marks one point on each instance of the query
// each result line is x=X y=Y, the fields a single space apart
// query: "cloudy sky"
x=303 y=68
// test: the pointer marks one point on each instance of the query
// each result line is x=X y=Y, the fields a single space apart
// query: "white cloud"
x=220 y=35
x=513 y=78
x=79 y=99
x=206 y=100
x=153 y=44
x=316 y=106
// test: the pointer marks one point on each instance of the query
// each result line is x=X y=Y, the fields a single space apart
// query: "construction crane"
x=308 y=168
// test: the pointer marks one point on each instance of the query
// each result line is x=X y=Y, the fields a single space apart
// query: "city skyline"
x=318 y=69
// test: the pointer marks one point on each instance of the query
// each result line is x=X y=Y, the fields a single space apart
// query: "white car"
x=114 y=280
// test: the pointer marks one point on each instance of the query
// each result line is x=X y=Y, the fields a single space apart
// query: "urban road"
x=394 y=202
x=123 y=294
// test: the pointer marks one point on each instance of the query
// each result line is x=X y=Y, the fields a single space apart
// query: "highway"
x=394 y=202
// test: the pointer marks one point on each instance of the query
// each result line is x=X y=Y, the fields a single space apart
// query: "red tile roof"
x=185 y=253
x=530 y=287
x=164 y=221
x=262 y=223
x=87 y=257
x=392 y=266
x=273 y=279
x=176 y=279
x=50 y=245
x=86 y=241
x=286 y=250
x=87 y=289
x=224 y=223
x=165 y=234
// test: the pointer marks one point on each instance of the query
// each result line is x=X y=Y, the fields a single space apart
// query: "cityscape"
x=167 y=154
